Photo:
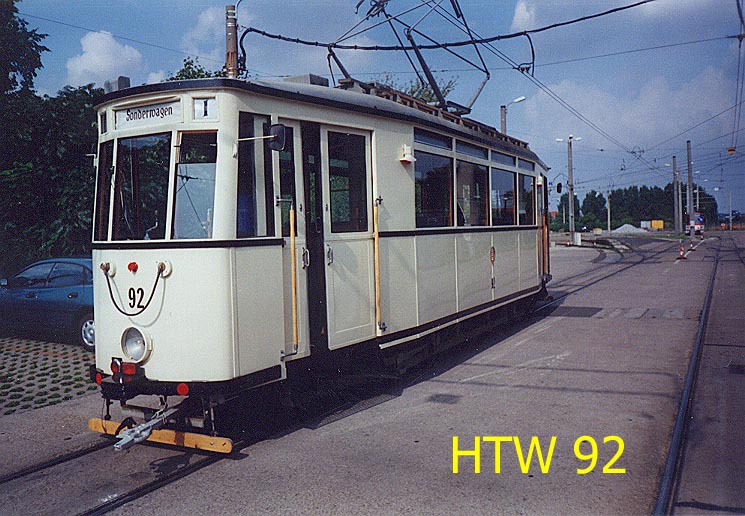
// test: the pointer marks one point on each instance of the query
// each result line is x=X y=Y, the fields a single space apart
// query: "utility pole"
x=609 y=212
x=678 y=197
x=680 y=204
x=676 y=201
x=571 y=190
x=689 y=190
x=570 y=183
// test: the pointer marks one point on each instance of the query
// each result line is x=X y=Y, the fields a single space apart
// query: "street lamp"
x=503 y=112
x=570 y=182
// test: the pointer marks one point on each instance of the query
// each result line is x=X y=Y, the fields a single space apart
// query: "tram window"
x=471 y=149
x=526 y=197
x=287 y=181
x=502 y=197
x=195 y=186
x=434 y=190
x=141 y=191
x=434 y=139
x=255 y=203
x=502 y=159
x=472 y=194
x=525 y=164
x=103 y=185
x=348 y=182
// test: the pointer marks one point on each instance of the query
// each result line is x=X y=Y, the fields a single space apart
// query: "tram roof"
x=378 y=100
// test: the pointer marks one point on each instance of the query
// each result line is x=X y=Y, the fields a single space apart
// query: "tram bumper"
x=122 y=387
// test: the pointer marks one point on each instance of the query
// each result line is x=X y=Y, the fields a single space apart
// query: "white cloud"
x=103 y=58
x=207 y=37
x=524 y=17
x=657 y=112
x=155 y=77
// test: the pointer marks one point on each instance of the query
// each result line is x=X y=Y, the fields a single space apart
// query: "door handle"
x=329 y=255
x=72 y=295
x=30 y=295
x=306 y=258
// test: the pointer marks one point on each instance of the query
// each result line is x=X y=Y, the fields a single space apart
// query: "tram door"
x=337 y=256
x=542 y=202
x=348 y=235
x=313 y=252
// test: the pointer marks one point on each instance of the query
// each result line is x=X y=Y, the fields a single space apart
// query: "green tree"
x=418 y=89
x=191 y=69
x=48 y=189
x=21 y=50
x=594 y=206
x=21 y=57
x=564 y=210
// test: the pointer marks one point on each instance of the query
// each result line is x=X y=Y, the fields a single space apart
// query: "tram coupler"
x=131 y=436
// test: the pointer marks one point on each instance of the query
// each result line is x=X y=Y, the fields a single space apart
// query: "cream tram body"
x=192 y=228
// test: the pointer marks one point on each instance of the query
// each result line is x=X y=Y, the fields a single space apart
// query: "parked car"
x=51 y=295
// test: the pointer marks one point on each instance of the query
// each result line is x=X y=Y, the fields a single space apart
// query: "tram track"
x=140 y=491
x=92 y=478
x=643 y=257
x=98 y=480
x=673 y=494
x=671 y=472
x=62 y=459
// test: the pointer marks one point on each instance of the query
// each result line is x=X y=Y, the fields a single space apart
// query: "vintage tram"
x=242 y=227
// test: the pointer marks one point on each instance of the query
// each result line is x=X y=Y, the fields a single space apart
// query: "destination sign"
x=154 y=114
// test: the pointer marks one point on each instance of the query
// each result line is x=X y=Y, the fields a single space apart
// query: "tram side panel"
x=260 y=333
x=473 y=269
x=529 y=245
x=398 y=276
x=506 y=263
x=394 y=183
x=436 y=277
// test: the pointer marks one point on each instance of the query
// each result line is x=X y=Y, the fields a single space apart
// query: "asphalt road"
x=605 y=366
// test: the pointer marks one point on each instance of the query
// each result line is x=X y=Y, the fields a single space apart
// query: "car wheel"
x=86 y=332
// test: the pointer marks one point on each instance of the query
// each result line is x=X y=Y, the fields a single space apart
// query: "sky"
x=634 y=85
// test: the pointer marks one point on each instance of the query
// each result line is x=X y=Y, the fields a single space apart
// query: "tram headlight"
x=135 y=345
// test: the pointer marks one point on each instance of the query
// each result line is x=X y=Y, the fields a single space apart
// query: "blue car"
x=54 y=294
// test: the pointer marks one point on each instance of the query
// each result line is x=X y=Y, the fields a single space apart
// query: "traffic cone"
x=681 y=254
x=691 y=248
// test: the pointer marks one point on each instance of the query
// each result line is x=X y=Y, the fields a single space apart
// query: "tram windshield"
x=139 y=202
x=195 y=186
x=141 y=187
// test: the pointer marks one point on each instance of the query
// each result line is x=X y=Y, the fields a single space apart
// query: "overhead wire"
x=437 y=46
x=740 y=80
